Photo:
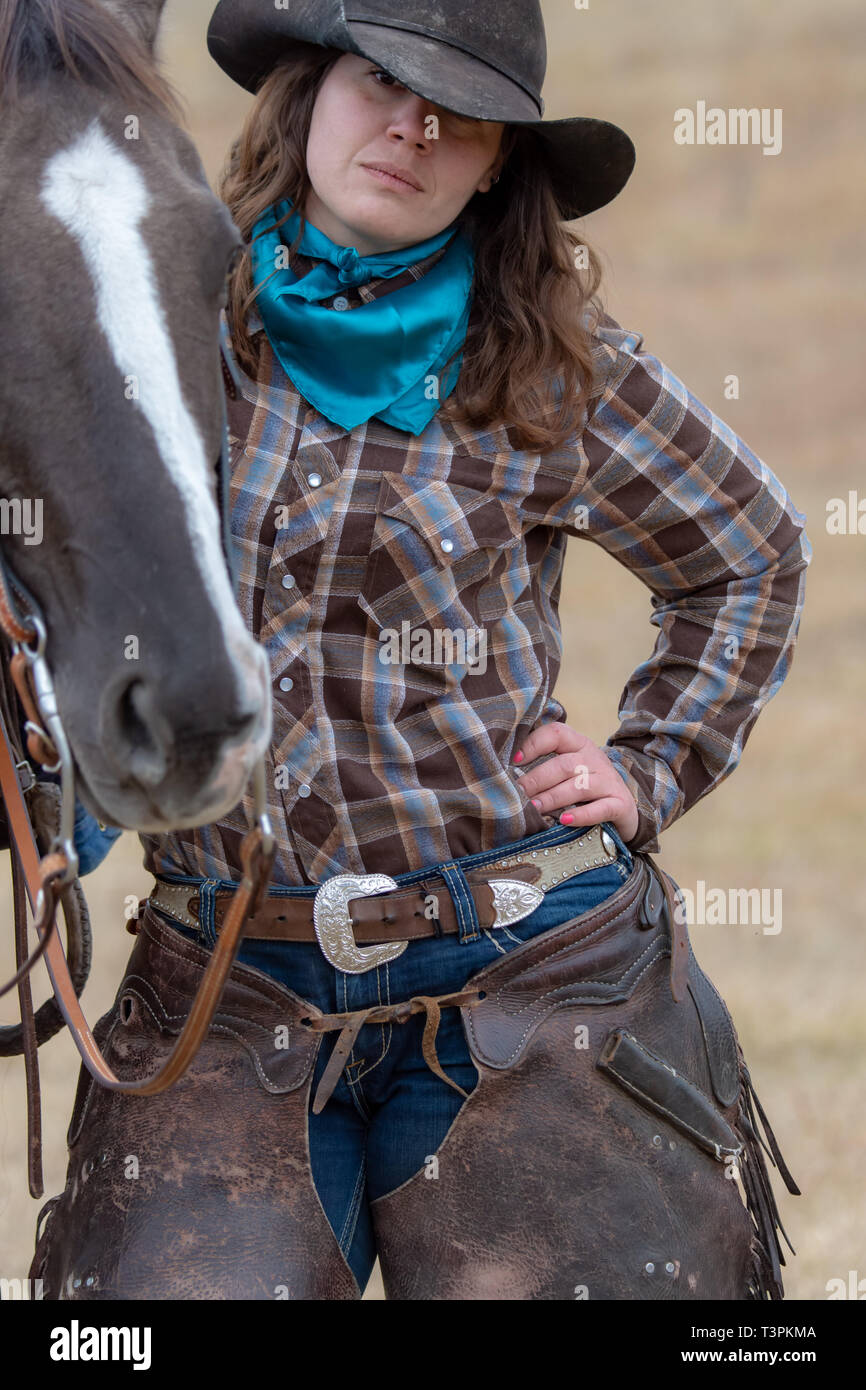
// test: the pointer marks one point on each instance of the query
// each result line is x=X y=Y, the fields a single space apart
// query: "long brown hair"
x=527 y=359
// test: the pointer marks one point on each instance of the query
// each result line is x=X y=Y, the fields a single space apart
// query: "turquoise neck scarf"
x=382 y=359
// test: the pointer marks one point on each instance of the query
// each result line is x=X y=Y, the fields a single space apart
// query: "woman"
x=466 y=1031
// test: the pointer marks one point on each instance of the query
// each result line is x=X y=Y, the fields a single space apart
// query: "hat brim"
x=590 y=160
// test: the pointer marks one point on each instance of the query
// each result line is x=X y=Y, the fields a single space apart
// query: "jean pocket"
x=191 y=933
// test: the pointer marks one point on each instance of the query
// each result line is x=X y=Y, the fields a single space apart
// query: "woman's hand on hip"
x=581 y=781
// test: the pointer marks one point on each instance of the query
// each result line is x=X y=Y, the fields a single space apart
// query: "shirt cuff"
x=91 y=844
x=645 y=838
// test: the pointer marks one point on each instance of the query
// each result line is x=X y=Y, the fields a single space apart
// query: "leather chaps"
x=609 y=1150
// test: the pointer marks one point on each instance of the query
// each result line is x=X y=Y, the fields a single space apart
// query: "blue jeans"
x=389 y=1112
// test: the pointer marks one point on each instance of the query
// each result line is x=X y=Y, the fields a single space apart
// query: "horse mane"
x=41 y=38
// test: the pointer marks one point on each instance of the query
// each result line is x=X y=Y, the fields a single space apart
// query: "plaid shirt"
x=454 y=540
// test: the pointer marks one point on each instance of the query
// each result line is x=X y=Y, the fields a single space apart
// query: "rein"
x=48 y=879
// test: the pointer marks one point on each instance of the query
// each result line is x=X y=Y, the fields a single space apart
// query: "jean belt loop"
x=620 y=843
x=206 y=902
x=464 y=903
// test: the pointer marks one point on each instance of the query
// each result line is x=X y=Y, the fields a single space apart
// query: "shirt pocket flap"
x=454 y=520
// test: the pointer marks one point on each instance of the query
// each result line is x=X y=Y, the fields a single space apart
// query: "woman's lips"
x=390 y=180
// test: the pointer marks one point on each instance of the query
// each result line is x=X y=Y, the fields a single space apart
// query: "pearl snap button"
x=286 y=683
x=341 y=302
x=314 y=479
x=288 y=581
x=447 y=546
x=304 y=790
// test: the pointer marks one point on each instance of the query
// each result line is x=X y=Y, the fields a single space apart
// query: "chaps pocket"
x=660 y=1088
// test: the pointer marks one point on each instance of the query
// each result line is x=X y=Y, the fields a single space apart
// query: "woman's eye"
x=454 y=118
x=383 y=72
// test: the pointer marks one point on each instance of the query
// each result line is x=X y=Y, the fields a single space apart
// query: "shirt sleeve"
x=92 y=845
x=671 y=492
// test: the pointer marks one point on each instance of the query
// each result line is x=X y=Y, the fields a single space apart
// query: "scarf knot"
x=355 y=269
x=351 y=266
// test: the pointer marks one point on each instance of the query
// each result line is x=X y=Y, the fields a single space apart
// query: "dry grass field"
x=729 y=261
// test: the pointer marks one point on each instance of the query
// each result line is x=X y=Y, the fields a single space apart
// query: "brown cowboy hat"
x=485 y=59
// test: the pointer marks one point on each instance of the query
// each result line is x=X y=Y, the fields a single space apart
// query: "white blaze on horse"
x=115 y=254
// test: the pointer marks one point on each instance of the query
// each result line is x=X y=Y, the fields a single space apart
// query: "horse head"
x=114 y=255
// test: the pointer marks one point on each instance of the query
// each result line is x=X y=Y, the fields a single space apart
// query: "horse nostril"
x=150 y=726
x=141 y=734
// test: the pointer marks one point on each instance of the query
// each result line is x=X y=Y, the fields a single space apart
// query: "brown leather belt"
x=407 y=913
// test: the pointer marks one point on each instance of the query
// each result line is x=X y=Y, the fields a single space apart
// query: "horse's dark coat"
x=116 y=559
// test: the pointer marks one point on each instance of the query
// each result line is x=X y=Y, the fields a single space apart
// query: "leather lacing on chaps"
x=350 y=1025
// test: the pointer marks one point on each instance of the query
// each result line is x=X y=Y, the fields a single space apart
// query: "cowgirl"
x=466 y=1032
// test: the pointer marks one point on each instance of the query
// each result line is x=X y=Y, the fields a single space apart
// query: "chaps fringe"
x=767 y=1258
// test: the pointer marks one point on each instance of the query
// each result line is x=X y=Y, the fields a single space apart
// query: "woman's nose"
x=412 y=121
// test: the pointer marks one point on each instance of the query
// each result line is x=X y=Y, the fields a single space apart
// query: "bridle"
x=50 y=878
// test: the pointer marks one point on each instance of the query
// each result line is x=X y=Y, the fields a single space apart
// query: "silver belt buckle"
x=333 y=925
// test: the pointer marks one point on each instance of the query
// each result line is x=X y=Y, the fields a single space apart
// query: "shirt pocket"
x=442 y=555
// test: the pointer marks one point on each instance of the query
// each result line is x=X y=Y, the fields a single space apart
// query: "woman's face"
x=363 y=117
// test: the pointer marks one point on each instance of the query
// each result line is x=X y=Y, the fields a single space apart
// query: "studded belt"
x=364 y=920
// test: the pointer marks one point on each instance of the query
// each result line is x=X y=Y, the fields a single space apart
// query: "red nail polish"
x=567 y=818
x=518 y=757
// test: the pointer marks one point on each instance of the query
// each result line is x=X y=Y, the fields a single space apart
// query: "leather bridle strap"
x=256 y=862
x=39 y=745
x=10 y=616
x=41 y=875
x=29 y=1039
x=42 y=879
x=48 y=872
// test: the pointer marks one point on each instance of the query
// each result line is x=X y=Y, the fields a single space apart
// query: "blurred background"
x=729 y=261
